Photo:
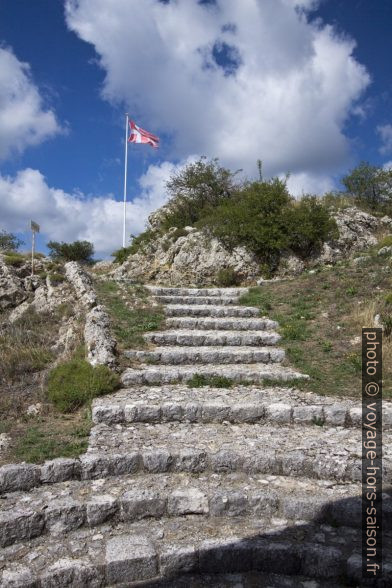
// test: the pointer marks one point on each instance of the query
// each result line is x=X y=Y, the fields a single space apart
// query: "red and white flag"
x=139 y=135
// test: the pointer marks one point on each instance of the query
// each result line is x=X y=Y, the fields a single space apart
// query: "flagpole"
x=125 y=176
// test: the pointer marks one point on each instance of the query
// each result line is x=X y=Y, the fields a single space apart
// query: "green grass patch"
x=320 y=317
x=37 y=445
x=74 y=383
x=200 y=380
x=130 y=321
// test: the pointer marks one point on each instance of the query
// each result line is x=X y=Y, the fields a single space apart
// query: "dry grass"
x=321 y=316
x=26 y=353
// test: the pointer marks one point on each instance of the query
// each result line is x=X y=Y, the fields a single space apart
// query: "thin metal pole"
x=125 y=176
x=32 y=253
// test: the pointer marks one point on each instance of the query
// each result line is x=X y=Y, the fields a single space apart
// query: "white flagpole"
x=125 y=176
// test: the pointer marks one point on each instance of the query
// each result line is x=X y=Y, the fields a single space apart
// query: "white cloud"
x=295 y=84
x=385 y=132
x=303 y=183
x=68 y=217
x=387 y=166
x=24 y=120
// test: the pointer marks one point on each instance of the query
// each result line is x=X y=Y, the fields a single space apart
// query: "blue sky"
x=303 y=85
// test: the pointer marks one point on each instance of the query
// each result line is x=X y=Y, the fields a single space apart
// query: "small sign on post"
x=34 y=229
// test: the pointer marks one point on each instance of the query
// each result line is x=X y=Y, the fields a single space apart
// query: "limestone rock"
x=82 y=284
x=12 y=291
x=190 y=259
x=100 y=344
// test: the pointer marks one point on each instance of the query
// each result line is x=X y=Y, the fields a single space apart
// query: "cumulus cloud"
x=24 y=120
x=68 y=217
x=385 y=132
x=236 y=80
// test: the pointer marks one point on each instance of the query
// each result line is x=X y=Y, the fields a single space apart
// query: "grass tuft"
x=74 y=383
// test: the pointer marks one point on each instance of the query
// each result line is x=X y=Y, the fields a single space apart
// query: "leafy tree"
x=9 y=241
x=308 y=225
x=81 y=251
x=370 y=184
x=199 y=185
x=254 y=218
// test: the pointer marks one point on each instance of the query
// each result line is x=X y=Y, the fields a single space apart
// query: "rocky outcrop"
x=82 y=284
x=190 y=259
x=99 y=342
x=12 y=291
x=195 y=260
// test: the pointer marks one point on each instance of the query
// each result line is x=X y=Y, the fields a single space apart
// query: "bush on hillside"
x=309 y=225
x=253 y=218
x=74 y=383
x=265 y=219
x=14 y=259
x=9 y=242
x=121 y=255
x=227 y=277
x=370 y=185
x=81 y=251
x=198 y=186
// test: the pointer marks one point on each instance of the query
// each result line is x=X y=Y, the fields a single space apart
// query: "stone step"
x=205 y=355
x=311 y=451
x=188 y=337
x=239 y=404
x=214 y=311
x=207 y=300
x=219 y=292
x=149 y=550
x=221 y=324
x=67 y=506
x=172 y=374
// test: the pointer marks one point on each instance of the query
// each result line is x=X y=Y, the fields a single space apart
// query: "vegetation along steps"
x=208 y=468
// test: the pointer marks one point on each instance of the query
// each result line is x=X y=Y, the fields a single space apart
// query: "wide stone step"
x=311 y=451
x=189 y=337
x=67 y=506
x=207 y=300
x=148 y=550
x=161 y=291
x=239 y=404
x=206 y=355
x=221 y=324
x=214 y=311
x=169 y=374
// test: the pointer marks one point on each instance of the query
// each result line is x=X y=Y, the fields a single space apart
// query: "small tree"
x=369 y=184
x=197 y=186
x=253 y=218
x=9 y=241
x=81 y=251
x=309 y=225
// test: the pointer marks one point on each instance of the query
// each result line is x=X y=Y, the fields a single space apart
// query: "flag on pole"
x=139 y=135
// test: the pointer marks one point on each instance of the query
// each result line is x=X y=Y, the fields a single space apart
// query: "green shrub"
x=388 y=299
x=9 y=241
x=121 y=255
x=56 y=278
x=370 y=184
x=200 y=380
x=71 y=384
x=253 y=218
x=195 y=188
x=178 y=233
x=81 y=251
x=385 y=242
x=309 y=225
x=227 y=277
x=14 y=259
x=140 y=242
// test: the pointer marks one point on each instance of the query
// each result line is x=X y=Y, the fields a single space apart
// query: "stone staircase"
x=252 y=485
